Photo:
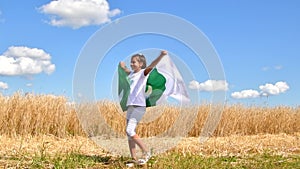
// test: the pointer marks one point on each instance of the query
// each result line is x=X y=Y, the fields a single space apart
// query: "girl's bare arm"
x=123 y=66
x=155 y=62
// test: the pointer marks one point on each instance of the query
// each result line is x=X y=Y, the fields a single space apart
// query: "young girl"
x=136 y=103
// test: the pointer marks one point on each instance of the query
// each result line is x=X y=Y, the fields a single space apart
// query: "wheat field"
x=46 y=131
x=32 y=114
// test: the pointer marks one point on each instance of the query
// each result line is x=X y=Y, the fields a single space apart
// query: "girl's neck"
x=136 y=71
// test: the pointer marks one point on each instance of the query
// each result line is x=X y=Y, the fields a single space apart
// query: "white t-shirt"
x=137 y=83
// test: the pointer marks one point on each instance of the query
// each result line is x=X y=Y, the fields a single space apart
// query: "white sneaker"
x=130 y=165
x=142 y=162
x=147 y=156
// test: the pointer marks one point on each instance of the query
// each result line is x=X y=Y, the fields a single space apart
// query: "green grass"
x=166 y=161
x=252 y=161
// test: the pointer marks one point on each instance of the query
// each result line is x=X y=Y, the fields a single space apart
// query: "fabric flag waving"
x=163 y=81
x=123 y=88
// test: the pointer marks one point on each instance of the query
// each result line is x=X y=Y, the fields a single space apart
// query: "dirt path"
x=218 y=146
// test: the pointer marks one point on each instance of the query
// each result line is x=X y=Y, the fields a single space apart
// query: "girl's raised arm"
x=155 y=62
x=123 y=66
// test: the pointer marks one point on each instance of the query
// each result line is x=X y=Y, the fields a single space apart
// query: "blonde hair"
x=141 y=58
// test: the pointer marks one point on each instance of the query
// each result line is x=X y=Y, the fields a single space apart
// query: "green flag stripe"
x=157 y=82
x=123 y=88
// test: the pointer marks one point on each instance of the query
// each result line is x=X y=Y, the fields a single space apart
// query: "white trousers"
x=134 y=116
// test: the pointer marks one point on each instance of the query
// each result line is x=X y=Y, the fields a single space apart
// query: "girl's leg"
x=130 y=130
x=139 y=142
x=132 y=148
x=134 y=115
x=146 y=154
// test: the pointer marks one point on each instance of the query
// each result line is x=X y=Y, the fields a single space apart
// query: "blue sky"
x=257 y=42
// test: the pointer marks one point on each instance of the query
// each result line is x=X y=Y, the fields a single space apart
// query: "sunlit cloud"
x=265 y=90
x=78 y=13
x=3 y=85
x=21 y=60
x=245 y=94
x=209 y=85
x=274 y=89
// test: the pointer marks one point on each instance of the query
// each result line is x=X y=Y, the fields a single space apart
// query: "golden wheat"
x=37 y=114
x=46 y=114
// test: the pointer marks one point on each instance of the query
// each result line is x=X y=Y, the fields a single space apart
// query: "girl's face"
x=135 y=64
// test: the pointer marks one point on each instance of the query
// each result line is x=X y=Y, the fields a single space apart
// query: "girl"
x=136 y=102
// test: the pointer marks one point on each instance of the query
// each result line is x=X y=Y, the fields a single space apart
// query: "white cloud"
x=78 y=13
x=209 y=85
x=29 y=84
x=20 y=60
x=1 y=19
x=266 y=90
x=270 y=89
x=265 y=68
x=3 y=85
x=277 y=67
x=245 y=94
x=22 y=51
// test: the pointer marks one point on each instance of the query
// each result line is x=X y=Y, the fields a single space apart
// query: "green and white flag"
x=164 y=81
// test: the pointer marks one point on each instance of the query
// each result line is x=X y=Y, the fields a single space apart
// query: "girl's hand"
x=122 y=64
x=164 y=52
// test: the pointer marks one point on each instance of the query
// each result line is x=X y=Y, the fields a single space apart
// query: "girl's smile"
x=135 y=65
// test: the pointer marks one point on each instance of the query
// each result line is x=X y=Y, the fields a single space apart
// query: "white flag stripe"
x=175 y=86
